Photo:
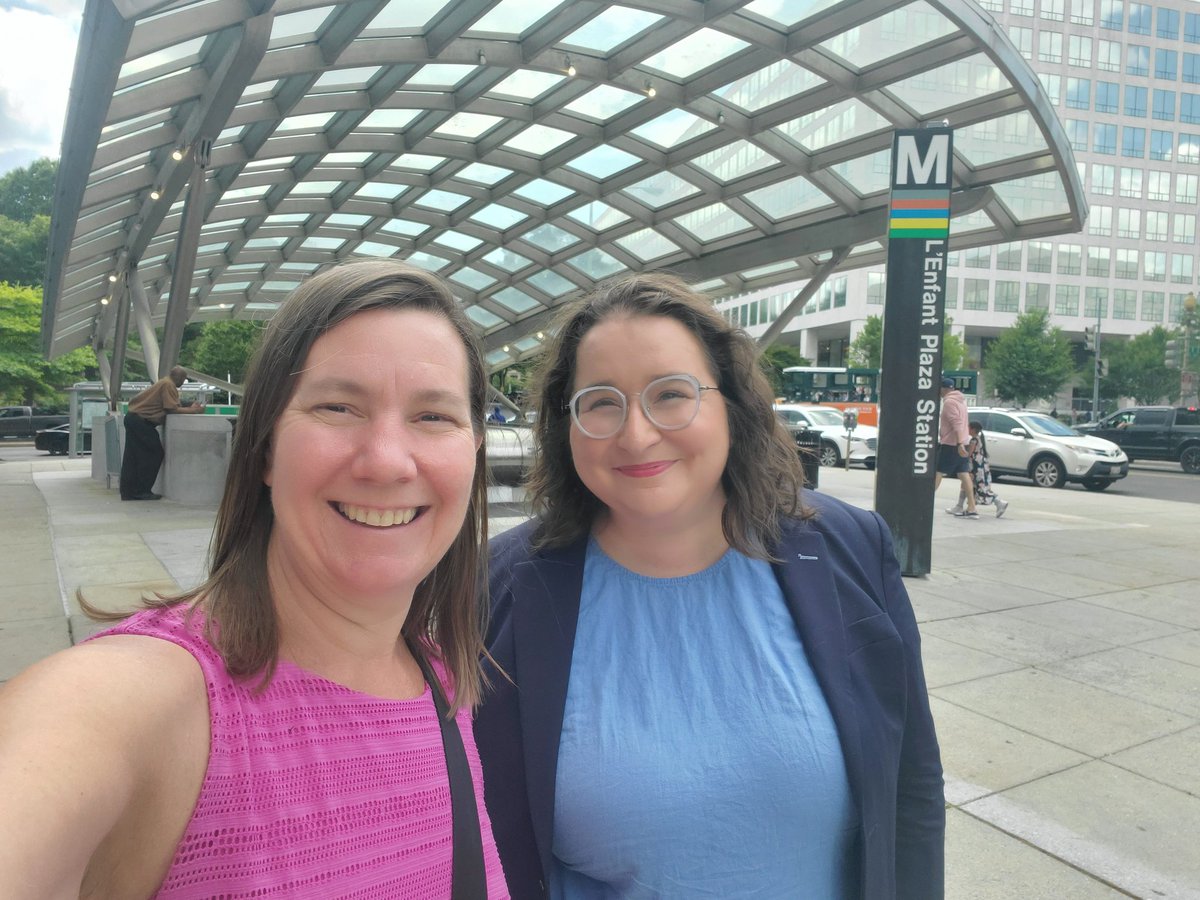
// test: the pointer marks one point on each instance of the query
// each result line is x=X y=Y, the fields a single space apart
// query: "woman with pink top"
x=300 y=724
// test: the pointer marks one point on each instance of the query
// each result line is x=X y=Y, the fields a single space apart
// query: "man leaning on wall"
x=143 y=447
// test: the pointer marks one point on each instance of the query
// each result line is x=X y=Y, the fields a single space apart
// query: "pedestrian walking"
x=981 y=474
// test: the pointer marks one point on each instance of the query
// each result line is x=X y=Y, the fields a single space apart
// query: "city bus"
x=841 y=387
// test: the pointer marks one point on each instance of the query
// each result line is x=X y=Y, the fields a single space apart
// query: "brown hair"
x=762 y=477
x=448 y=606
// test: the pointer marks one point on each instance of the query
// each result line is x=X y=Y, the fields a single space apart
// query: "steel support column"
x=814 y=284
x=145 y=323
x=120 y=342
x=185 y=262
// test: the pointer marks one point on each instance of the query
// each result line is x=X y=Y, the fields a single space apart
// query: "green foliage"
x=866 y=351
x=1136 y=367
x=224 y=348
x=28 y=192
x=25 y=377
x=1030 y=360
x=775 y=359
x=23 y=247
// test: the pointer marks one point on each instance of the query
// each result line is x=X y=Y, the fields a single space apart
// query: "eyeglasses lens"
x=669 y=403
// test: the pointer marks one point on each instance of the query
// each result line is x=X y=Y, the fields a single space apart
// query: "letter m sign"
x=922 y=166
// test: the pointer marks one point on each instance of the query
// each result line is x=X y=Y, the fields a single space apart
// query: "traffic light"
x=1102 y=366
x=1172 y=355
x=1089 y=337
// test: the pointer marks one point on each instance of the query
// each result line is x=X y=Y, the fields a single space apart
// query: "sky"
x=37 y=55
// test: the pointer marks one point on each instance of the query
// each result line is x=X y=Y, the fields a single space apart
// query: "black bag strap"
x=468 y=875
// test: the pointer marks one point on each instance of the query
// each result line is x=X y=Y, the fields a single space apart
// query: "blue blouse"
x=698 y=757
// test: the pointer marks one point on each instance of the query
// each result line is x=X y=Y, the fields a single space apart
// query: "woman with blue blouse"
x=709 y=681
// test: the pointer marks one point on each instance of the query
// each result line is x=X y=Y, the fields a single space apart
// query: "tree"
x=23 y=247
x=224 y=348
x=26 y=378
x=1030 y=360
x=867 y=349
x=1136 y=368
x=775 y=359
x=29 y=191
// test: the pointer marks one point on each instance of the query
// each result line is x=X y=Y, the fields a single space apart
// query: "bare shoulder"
x=86 y=730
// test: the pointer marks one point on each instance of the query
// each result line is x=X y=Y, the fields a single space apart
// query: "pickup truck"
x=26 y=421
x=1154 y=432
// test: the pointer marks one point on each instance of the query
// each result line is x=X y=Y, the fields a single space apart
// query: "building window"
x=1164 y=105
x=1022 y=39
x=1038 y=259
x=1137 y=60
x=1053 y=10
x=1185 y=229
x=1161 y=144
x=876 y=288
x=1131 y=182
x=1129 y=223
x=1069 y=259
x=1008 y=256
x=975 y=293
x=1191 y=28
x=1160 y=186
x=1079 y=93
x=1081 y=12
x=1108 y=95
x=1021 y=7
x=1124 y=304
x=1181 y=268
x=1152 y=306
x=1049 y=47
x=1103 y=179
x=1104 y=138
x=951 y=293
x=1098 y=262
x=1185 y=188
x=977 y=258
x=1135 y=100
x=1079 y=50
x=1133 y=142
x=1095 y=303
x=1189 y=108
x=1188 y=150
x=1053 y=87
x=993 y=5
x=1066 y=299
x=1168 y=24
x=1112 y=15
x=1100 y=221
x=1175 y=309
x=1139 y=18
x=1077 y=134
x=1166 y=64
x=1037 y=296
x=1127 y=264
x=1108 y=55
x=1156 y=225
x=1008 y=296
x=1154 y=265
x=1191 y=68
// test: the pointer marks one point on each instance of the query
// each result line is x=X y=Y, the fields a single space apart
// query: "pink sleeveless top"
x=316 y=790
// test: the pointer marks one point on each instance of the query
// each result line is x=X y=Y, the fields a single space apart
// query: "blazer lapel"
x=547 y=589
x=806 y=575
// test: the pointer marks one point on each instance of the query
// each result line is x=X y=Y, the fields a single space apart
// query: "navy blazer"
x=842 y=585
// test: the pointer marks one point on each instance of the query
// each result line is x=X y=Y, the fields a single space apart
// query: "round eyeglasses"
x=670 y=403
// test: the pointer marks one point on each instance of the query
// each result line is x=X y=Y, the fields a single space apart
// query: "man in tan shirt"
x=143 y=448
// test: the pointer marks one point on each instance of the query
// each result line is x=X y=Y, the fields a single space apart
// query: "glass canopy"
x=523 y=150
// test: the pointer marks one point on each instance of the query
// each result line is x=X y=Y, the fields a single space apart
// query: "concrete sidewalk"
x=1061 y=645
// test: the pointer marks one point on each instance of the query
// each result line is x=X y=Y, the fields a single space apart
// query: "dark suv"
x=1154 y=432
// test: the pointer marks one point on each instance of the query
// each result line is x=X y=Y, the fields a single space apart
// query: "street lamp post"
x=1187 y=375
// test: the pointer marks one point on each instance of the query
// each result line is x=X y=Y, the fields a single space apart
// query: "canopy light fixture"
x=155 y=194
x=571 y=70
x=651 y=91
x=177 y=154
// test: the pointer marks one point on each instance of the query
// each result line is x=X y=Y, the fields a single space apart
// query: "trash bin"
x=808 y=445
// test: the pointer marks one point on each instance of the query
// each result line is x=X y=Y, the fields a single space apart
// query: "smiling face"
x=372 y=459
x=645 y=475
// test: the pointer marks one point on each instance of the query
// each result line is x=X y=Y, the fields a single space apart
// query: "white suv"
x=828 y=422
x=1034 y=445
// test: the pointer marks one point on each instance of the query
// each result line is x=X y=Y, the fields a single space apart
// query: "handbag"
x=468 y=875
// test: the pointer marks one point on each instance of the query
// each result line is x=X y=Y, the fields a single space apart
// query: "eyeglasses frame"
x=641 y=395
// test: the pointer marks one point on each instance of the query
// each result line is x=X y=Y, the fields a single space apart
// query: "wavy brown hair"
x=763 y=475
x=449 y=605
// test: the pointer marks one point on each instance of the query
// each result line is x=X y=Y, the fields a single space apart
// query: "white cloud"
x=37 y=55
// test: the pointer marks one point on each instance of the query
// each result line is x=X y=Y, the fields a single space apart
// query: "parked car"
x=1034 y=445
x=25 y=421
x=829 y=423
x=1154 y=432
x=509 y=451
x=54 y=440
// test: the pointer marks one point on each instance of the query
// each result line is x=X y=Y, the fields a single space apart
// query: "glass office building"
x=1124 y=78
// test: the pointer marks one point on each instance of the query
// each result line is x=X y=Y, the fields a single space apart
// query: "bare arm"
x=88 y=738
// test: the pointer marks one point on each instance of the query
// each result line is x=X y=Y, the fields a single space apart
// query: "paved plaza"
x=1061 y=646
